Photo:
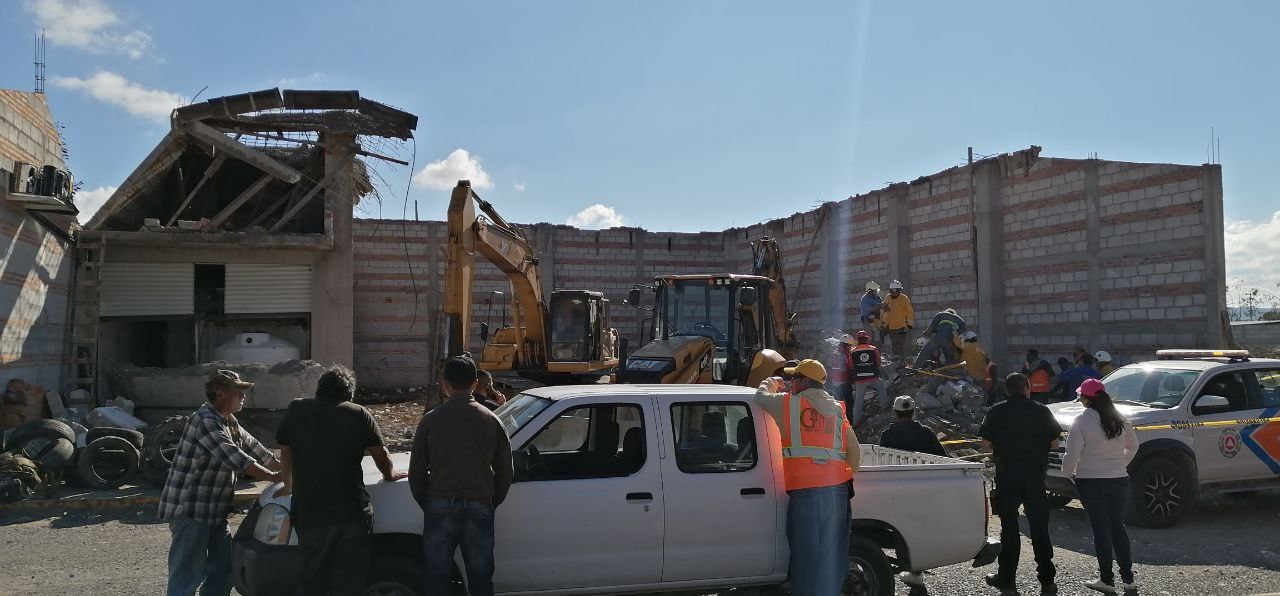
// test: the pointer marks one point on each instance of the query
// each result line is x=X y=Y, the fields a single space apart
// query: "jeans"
x=1105 y=500
x=859 y=395
x=337 y=557
x=1013 y=490
x=199 y=553
x=454 y=521
x=818 y=533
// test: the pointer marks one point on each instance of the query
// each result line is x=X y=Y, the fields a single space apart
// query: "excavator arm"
x=505 y=246
x=767 y=262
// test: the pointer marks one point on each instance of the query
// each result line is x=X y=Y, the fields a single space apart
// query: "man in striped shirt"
x=197 y=494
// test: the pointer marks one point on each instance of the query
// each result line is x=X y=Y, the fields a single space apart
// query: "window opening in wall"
x=210 y=291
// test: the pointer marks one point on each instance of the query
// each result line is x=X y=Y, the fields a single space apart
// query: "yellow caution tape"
x=1188 y=424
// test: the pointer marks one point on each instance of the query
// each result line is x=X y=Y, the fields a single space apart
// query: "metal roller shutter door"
x=267 y=288
x=146 y=289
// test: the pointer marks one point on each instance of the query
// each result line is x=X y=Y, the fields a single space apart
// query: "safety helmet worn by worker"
x=864 y=337
x=873 y=286
x=921 y=341
x=848 y=339
x=969 y=336
x=1102 y=356
x=895 y=285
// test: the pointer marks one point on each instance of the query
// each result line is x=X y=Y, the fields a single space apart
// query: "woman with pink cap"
x=1100 y=445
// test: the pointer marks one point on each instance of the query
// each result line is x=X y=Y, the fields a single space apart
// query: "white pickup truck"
x=656 y=488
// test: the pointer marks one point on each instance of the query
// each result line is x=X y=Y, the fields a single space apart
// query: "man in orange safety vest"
x=820 y=454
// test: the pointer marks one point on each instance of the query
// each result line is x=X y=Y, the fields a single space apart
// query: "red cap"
x=864 y=337
x=1090 y=388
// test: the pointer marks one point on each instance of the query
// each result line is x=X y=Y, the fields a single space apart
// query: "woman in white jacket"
x=1100 y=446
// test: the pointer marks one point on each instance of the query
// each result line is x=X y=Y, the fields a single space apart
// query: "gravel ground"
x=1227 y=547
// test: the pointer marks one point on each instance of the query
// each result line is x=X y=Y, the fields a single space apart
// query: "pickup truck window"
x=1269 y=385
x=519 y=410
x=1231 y=385
x=1155 y=387
x=594 y=441
x=713 y=437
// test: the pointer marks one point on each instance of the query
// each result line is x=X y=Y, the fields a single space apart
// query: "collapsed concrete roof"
x=253 y=160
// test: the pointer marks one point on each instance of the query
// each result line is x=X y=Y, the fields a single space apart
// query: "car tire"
x=107 y=462
x=51 y=453
x=129 y=435
x=1164 y=489
x=162 y=443
x=44 y=427
x=398 y=575
x=869 y=571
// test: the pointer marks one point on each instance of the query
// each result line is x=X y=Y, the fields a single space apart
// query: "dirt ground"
x=1227 y=547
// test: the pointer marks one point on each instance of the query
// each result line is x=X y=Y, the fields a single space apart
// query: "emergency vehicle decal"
x=1264 y=440
x=1229 y=443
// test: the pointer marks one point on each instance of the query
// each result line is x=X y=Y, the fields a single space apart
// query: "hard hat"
x=809 y=368
x=848 y=339
x=969 y=336
x=922 y=341
x=871 y=285
x=904 y=403
x=864 y=337
x=895 y=285
x=950 y=311
x=1102 y=356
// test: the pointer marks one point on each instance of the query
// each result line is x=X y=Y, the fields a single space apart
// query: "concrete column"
x=898 y=226
x=988 y=207
x=333 y=273
x=544 y=241
x=638 y=239
x=1218 y=330
x=433 y=305
x=1093 y=239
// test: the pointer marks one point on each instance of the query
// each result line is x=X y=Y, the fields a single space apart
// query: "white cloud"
x=597 y=217
x=519 y=187
x=445 y=174
x=116 y=90
x=89 y=201
x=311 y=79
x=1253 y=252
x=88 y=25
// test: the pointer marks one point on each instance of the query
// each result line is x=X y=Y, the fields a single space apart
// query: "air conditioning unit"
x=41 y=181
x=25 y=178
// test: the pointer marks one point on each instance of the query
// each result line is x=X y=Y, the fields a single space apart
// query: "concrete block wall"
x=1256 y=334
x=35 y=264
x=1033 y=252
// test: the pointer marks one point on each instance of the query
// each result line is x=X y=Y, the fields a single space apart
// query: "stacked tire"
x=161 y=445
x=49 y=443
x=109 y=459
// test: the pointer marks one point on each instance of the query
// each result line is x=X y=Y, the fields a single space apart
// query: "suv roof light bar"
x=1232 y=355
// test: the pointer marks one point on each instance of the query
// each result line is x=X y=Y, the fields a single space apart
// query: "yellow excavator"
x=563 y=340
x=716 y=328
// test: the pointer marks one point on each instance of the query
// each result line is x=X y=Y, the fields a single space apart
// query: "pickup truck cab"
x=659 y=488
x=1207 y=422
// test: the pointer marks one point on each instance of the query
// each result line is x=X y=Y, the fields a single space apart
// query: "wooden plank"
x=250 y=156
x=244 y=197
x=292 y=211
x=276 y=205
x=208 y=173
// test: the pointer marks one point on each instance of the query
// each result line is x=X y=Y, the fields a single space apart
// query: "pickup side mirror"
x=633 y=297
x=484 y=333
x=1210 y=404
x=520 y=463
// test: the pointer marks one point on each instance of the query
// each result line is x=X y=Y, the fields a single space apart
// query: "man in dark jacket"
x=459 y=472
x=322 y=444
x=907 y=434
x=1021 y=432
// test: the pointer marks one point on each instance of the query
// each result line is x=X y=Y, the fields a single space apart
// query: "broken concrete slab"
x=274 y=386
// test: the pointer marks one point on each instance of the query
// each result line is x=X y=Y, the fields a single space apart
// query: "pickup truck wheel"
x=401 y=576
x=1163 y=490
x=869 y=570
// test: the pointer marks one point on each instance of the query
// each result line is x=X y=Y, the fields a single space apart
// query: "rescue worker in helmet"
x=898 y=317
x=1103 y=363
x=820 y=454
x=869 y=307
x=865 y=372
x=942 y=331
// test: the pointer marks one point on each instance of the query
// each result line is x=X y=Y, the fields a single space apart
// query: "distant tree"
x=1271 y=316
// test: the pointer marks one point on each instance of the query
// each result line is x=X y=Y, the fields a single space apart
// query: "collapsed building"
x=230 y=241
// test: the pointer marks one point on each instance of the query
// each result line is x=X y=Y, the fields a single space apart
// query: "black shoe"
x=1049 y=589
x=994 y=580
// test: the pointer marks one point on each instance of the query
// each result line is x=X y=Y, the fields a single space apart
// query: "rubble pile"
x=952 y=409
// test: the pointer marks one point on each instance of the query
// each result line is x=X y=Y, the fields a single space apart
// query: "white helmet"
x=895 y=285
x=969 y=336
x=921 y=341
x=871 y=285
x=1102 y=356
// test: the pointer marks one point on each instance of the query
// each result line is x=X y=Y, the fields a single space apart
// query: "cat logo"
x=1229 y=442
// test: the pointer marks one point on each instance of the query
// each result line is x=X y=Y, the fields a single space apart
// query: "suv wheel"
x=869 y=570
x=1163 y=490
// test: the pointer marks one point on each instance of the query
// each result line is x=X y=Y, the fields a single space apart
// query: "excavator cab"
x=582 y=339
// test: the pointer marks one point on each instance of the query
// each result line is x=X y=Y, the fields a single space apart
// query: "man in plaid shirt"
x=197 y=494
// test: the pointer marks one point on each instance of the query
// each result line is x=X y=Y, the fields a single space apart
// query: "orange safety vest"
x=812 y=446
x=1039 y=381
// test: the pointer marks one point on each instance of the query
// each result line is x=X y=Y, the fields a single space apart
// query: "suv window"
x=596 y=441
x=1231 y=385
x=1269 y=387
x=1155 y=387
x=713 y=437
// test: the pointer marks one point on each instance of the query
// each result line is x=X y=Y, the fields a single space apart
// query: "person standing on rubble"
x=1021 y=433
x=459 y=472
x=869 y=306
x=898 y=318
x=212 y=450
x=323 y=442
x=1040 y=374
x=820 y=454
x=942 y=333
x=867 y=376
x=840 y=381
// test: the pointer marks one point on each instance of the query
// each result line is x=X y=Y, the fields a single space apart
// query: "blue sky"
x=695 y=115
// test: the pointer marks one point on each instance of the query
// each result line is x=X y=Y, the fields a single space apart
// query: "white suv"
x=1208 y=421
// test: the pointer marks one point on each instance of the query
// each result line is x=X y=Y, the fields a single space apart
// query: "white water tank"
x=256 y=348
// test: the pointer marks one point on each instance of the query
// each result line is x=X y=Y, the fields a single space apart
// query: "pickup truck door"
x=720 y=491
x=588 y=510
x=1223 y=451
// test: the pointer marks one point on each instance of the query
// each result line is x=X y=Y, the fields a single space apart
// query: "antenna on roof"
x=39 y=61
